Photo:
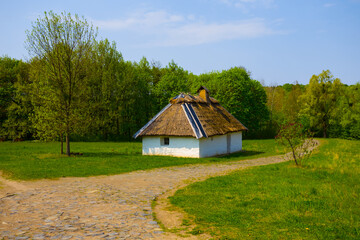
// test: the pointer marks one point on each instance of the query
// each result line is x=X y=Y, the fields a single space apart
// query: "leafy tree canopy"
x=242 y=96
x=62 y=43
x=320 y=100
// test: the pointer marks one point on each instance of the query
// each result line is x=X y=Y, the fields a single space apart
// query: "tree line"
x=77 y=87
x=325 y=106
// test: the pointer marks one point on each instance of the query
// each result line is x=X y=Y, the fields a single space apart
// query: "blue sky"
x=278 y=41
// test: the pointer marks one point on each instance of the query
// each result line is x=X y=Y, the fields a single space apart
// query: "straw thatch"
x=193 y=116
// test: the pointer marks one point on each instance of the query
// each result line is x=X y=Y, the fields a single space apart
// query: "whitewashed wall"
x=178 y=146
x=217 y=145
x=236 y=142
x=192 y=147
x=212 y=146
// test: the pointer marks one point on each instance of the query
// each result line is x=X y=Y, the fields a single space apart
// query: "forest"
x=86 y=91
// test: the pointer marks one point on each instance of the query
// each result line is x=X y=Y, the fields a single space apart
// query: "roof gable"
x=172 y=121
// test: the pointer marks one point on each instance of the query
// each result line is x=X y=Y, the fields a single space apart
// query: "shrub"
x=301 y=143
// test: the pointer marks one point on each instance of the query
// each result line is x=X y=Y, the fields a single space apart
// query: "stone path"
x=105 y=207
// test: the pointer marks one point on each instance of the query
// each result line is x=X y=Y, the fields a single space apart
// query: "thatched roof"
x=193 y=116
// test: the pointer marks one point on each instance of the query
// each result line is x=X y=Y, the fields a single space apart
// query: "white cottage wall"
x=178 y=146
x=236 y=142
x=212 y=146
x=218 y=145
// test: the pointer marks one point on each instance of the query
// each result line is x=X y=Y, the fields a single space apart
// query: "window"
x=164 y=141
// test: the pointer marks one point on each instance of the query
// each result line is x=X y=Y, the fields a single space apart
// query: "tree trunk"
x=67 y=144
x=61 y=144
x=117 y=127
x=105 y=133
x=325 y=130
x=293 y=152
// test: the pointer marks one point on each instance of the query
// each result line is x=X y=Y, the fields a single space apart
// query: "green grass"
x=37 y=160
x=317 y=201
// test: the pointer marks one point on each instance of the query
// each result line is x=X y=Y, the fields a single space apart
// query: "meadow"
x=319 y=200
x=37 y=160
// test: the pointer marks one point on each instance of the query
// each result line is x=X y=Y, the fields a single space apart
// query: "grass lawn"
x=36 y=160
x=320 y=200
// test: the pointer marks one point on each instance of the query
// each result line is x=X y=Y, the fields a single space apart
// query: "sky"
x=278 y=41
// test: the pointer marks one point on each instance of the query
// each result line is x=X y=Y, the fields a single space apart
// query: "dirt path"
x=105 y=207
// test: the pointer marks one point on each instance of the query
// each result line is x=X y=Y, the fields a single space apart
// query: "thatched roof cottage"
x=192 y=126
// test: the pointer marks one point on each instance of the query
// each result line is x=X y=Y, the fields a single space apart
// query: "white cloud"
x=160 y=28
x=140 y=20
x=200 y=33
x=246 y=5
x=327 y=5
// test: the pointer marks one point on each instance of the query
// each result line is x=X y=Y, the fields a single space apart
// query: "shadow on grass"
x=109 y=154
x=241 y=154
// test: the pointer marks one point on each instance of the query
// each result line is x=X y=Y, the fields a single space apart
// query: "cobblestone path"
x=105 y=207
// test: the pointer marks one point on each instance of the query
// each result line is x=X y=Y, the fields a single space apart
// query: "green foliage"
x=320 y=100
x=75 y=86
x=61 y=45
x=174 y=80
x=318 y=201
x=243 y=97
x=37 y=160
x=347 y=114
x=300 y=143
x=137 y=101
x=15 y=105
x=293 y=106
x=324 y=106
x=106 y=79
x=205 y=79
x=284 y=105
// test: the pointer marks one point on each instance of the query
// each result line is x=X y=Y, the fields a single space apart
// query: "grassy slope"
x=318 y=201
x=36 y=160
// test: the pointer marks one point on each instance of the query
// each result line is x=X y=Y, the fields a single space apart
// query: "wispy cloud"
x=200 y=33
x=246 y=5
x=140 y=20
x=327 y=5
x=166 y=29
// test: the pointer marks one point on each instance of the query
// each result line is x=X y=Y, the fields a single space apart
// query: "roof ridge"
x=189 y=98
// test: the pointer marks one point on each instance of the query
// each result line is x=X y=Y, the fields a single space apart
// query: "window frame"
x=164 y=141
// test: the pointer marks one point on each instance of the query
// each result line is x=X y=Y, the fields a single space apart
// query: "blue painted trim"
x=194 y=121
x=191 y=121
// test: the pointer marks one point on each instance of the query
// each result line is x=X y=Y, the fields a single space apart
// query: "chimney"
x=204 y=94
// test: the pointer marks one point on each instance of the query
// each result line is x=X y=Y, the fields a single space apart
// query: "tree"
x=300 y=143
x=204 y=79
x=276 y=102
x=243 y=97
x=347 y=113
x=106 y=77
x=8 y=77
x=137 y=104
x=320 y=100
x=173 y=81
x=15 y=105
x=61 y=44
x=292 y=107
